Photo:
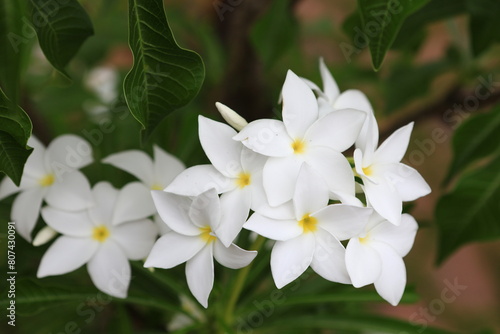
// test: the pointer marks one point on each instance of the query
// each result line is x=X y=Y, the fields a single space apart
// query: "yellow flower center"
x=206 y=234
x=157 y=186
x=308 y=223
x=243 y=180
x=100 y=233
x=298 y=146
x=367 y=170
x=364 y=239
x=47 y=180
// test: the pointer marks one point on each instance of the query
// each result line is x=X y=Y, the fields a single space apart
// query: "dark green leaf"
x=483 y=23
x=62 y=27
x=164 y=77
x=382 y=20
x=475 y=139
x=470 y=212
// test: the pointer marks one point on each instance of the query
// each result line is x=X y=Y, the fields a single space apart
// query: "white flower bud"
x=231 y=117
x=44 y=235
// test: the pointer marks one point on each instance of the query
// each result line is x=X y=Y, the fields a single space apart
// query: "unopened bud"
x=44 y=235
x=231 y=117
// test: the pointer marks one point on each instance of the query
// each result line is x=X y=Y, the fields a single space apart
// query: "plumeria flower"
x=376 y=256
x=236 y=172
x=386 y=181
x=309 y=234
x=50 y=174
x=154 y=174
x=303 y=139
x=104 y=237
x=194 y=240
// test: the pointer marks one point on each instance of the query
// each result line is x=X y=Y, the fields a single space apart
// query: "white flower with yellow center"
x=194 y=240
x=376 y=255
x=302 y=138
x=236 y=172
x=104 y=237
x=50 y=174
x=309 y=233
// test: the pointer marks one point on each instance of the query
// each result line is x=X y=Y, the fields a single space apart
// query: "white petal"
x=273 y=228
x=337 y=130
x=135 y=238
x=25 y=211
x=235 y=207
x=105 y=196
x=353 y=99
x=206 y=210
x=343 y=221
x=166 y=167
x=408 y=182
x=267 y=137
x=313 y=86
x=65 y=255
x=324 y=107
x=222 y=151
x=363 y=263
x=173 y=249
x=394 y=148
x=233 y=256
x=367 y=140
x=330 y=87
x=71 y=193
x=279 y=178
x=311 y=193
x=392 y=281
x=289 y=259
x=300 y=108
x=134 y=202
x=68 y=150
x=329 y=258
x=197 y=179
x=252 y=162
x=7 y=187
x=161 y=225
x=45 y=235
x=262 y=206
x=173 y=210
x=110 y=271
x=135 y=162
x=200 y=275
x=231 y=117
x=400 y=237
x=384 y=198
x=35 y=165
x=74 y=224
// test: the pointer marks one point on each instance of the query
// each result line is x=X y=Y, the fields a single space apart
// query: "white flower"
x=193 y=240
x=104 y=236
x=302 y=138
x=386 y=181
x=309 y=233
x=50 y=174
x=236 y=172
x=103 y=81
x=376 y=256
x=154 y=175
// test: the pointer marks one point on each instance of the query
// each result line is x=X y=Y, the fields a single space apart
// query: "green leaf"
x=15 y=130
x=62 y=27
x=470 y=212
x=477 y=138
x=382 y=20
x=483 y=24
x=164 y=77
x=275 y=32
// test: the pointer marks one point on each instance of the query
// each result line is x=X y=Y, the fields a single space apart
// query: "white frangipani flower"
x=194 y=240
x=309 y=234
x=376 y=256
x=50 y=174
x=303 y=138
x=231 y=117
x=236 y=172
x=386 y=181
x=104 y=236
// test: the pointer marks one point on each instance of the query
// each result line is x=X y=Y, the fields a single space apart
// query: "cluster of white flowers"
x=287 y=180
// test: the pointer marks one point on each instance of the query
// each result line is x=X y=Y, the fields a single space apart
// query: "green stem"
x=240 y=283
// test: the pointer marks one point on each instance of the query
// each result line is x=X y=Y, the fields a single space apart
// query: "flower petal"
x=161 y=225
x=262 y=206
x=173 y=210
x=74 y=224
x=235 y=207
x=267 y=137
x=206 y=210
x=408 y=182
x=35 y=165
x=343 y=221
x=71 y=192
x=134 y=202
x=394 y=148
x=391 y=283
x=329 y=258
x=367 y=140
x=289 y=259
x=273 y=228
x=300 y=108
x=353 y=99
x=279 y=178
x=364 y=265
x=384 y=198
x=135 y=238
x=252 y=162
x=105 y=196
x=233 y=256
x=65 y=255
x=165 y=167
x=110 y=271
x=25 y=211
x=7 y=187
x=400 y=237
x=330 y=87
x=135 y=162
x=68 y=150
x=311 y=193
x=197 y=179
x=200 y=275
x=173 y=249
